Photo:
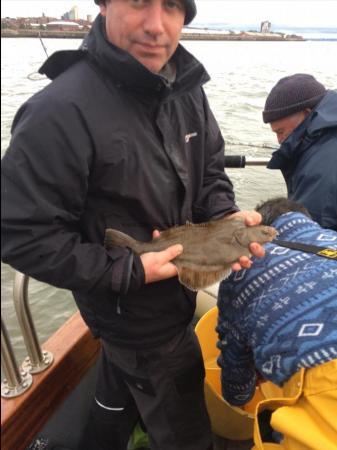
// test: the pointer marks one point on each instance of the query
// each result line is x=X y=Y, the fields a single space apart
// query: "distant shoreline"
x=209 y=36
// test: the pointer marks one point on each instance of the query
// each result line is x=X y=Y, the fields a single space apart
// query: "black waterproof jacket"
x=308 y=161
x=110 y=144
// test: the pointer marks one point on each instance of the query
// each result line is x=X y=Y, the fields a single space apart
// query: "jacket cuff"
x=137 y=278
x=227 y=213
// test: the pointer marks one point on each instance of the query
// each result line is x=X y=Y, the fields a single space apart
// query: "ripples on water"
x=242 y=74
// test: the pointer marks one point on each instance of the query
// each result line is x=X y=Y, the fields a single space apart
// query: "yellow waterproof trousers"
x=307 y=414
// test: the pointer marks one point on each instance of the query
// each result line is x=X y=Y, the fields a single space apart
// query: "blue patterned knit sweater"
x=281 y=314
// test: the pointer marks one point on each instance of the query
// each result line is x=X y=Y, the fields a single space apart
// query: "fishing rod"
x=43 y=46
x=249 y=144
x=35 y=76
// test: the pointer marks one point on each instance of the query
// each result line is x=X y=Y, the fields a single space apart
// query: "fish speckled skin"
x=209 y=248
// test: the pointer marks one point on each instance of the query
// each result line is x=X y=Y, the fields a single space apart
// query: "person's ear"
x=307 y=111
x=102 y=8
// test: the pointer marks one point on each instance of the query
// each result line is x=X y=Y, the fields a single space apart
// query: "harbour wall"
x=209 y=36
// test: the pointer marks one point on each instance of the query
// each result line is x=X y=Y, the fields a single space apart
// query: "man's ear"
x=307 y=111
x=102 y=9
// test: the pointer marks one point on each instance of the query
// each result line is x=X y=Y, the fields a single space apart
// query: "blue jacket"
x=308 y=161
x=280 y=315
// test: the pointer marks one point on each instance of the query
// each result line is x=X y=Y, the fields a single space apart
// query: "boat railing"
x=16 y=381
x=19 y=380
x=37 y=360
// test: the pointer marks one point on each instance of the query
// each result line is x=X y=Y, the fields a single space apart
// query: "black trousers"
x=163 y=386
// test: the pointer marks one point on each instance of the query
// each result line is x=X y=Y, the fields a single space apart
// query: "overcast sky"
x=300 y=13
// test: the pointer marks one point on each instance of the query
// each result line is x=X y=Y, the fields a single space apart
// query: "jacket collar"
x=128 y=72
x=291 y=148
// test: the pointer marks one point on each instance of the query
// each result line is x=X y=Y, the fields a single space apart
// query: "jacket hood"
x=325 y=114
x=113 y=61
x=323 y=117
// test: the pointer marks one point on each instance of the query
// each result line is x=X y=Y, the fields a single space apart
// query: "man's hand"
x=251 y=218
x=157 y=265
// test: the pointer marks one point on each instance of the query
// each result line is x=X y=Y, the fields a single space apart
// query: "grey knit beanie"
x=191 y=9
x=292 y=94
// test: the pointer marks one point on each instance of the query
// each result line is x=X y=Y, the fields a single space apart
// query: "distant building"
x=25 y=22
x=265 y=27
x=73 y=13
x=89 y=18
x=62 y=25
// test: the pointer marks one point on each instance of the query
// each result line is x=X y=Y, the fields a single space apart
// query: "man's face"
x=284 y=127
x=147 y=29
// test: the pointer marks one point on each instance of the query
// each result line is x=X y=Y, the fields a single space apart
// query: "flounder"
x=209 y=248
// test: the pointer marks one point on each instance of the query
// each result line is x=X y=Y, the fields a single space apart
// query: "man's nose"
x=154 y=19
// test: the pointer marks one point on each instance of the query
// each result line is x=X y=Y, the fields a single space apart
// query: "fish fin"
x=195 y=279
x=114 y=237
x=191 y=224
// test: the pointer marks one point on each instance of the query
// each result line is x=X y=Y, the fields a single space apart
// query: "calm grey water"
x=242 y=74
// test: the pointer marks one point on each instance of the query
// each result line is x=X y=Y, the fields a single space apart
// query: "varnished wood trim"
x=74 y=352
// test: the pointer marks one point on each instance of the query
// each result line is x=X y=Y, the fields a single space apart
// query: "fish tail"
x=114 y=237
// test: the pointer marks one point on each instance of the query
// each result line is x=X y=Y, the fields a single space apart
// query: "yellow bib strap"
x=319 y=251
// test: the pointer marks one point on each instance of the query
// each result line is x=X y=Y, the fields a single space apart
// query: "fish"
x=209 y=248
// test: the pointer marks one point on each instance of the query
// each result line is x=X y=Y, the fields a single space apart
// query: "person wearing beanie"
x=124 y=138
x=303 y=115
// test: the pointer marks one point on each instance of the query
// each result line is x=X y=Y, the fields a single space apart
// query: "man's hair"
x=271 y=209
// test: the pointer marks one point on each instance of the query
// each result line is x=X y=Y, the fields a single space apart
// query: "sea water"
x=242 y=74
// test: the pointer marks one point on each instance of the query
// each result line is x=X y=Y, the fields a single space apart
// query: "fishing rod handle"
x=240 y=161
x=235 y=161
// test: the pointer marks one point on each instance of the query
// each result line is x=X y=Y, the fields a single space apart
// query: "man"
x=303 y=114
x=278 y=322
x=123 y=138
